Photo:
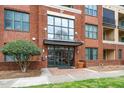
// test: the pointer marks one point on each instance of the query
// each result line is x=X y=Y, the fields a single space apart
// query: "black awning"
x=62 y=42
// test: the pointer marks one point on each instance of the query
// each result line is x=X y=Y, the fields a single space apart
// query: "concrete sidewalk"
x=47 y=77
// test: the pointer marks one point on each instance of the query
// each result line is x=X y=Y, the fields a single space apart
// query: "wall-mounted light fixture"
x=76 y=33
x=45 y=29
x=43 y=50
x=33 y=38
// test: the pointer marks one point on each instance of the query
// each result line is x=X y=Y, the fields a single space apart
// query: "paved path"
x=49 y=76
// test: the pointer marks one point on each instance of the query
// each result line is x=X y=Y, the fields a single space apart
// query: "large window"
x=120 y=54
x=91 y=31
x=91 y=10
x=16 y=21
x=60 y=28
x=91 y=53
x=108 y=16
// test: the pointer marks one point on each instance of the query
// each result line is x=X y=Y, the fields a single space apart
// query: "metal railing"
x=109 y=22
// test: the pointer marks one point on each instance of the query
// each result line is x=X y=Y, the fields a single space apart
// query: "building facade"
x=68 y=35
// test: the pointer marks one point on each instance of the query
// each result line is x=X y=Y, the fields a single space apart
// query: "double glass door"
x=60 y=56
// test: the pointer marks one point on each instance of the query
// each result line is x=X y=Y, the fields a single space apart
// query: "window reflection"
x=60 y=28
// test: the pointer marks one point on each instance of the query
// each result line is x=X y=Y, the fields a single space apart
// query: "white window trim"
x=65 y=8
x=60 y=14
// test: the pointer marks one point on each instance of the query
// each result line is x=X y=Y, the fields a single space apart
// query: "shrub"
x=22 y=50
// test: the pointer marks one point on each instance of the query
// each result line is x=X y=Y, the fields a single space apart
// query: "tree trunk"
x=23 y=66
x=24 y=69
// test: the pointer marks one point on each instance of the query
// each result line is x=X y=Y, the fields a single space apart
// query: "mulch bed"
x=19 y=74
x=107 y=68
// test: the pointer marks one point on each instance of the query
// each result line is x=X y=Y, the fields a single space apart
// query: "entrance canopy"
x=62 y=42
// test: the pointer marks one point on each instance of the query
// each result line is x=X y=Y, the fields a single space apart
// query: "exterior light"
x=45 y=29
x=33 y=38
x=76 y=33
x=43 y=50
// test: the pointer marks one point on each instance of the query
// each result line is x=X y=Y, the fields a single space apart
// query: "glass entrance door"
x=60 y=56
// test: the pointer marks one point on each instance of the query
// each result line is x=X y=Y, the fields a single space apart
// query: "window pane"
x=9 y=58
x=86 y=34
x=71 y=37
x=94 y=35
x=95 y=54
x=91 y=53
x=64 y=31
x=8 y=24
x=9 y=14
x=16 y=20
x=50 y=36
x=57 y=30
x=58 y=21
x=120 y=54
x=17 y=16
x=65 y=22
x=50 y=20
x=91 y=10
x=64 y=37
x=25 y=26
x=87 y=54
x=50 y=29
x=71 y=31
x=25 y=17
x=58 y=37
x=17 y=25
x=90 y=35
x=91 y=31
x=71 y=23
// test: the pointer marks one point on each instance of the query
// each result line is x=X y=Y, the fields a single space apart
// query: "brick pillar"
x=1 y=31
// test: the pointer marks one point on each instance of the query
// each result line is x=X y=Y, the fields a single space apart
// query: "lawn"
x=116 y=82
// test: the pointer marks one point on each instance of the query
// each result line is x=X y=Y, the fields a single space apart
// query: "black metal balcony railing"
x=109 y=22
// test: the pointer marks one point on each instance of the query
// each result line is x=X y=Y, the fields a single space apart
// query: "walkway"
x=55 y=75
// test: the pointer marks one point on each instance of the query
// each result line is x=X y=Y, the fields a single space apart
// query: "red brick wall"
x=14 y=66
x=105 y=63
x=38 y=21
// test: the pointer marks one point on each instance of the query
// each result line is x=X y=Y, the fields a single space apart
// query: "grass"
x=116 y=82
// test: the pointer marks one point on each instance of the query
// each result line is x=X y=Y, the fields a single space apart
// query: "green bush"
x=22 y=50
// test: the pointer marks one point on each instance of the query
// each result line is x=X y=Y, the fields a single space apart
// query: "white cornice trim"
x=65 y=8
x=60 y=14
x=117 y=8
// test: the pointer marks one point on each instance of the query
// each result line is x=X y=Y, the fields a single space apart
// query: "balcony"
x=121 y=27
x=108 y=22
x=108 y=18
x=108 y=34
x=109 y=54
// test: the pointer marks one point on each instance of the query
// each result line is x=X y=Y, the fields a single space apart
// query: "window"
x=9 y=58
x=91 y=53
x=120 y=54
x=108 y=16
x=16 y=21
x=91 y=31
x=60 y=28
x=91 y=10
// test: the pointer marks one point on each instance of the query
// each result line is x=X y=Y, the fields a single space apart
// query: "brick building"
x=68 y=35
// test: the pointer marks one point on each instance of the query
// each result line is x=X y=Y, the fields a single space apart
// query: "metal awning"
x=62 y=42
